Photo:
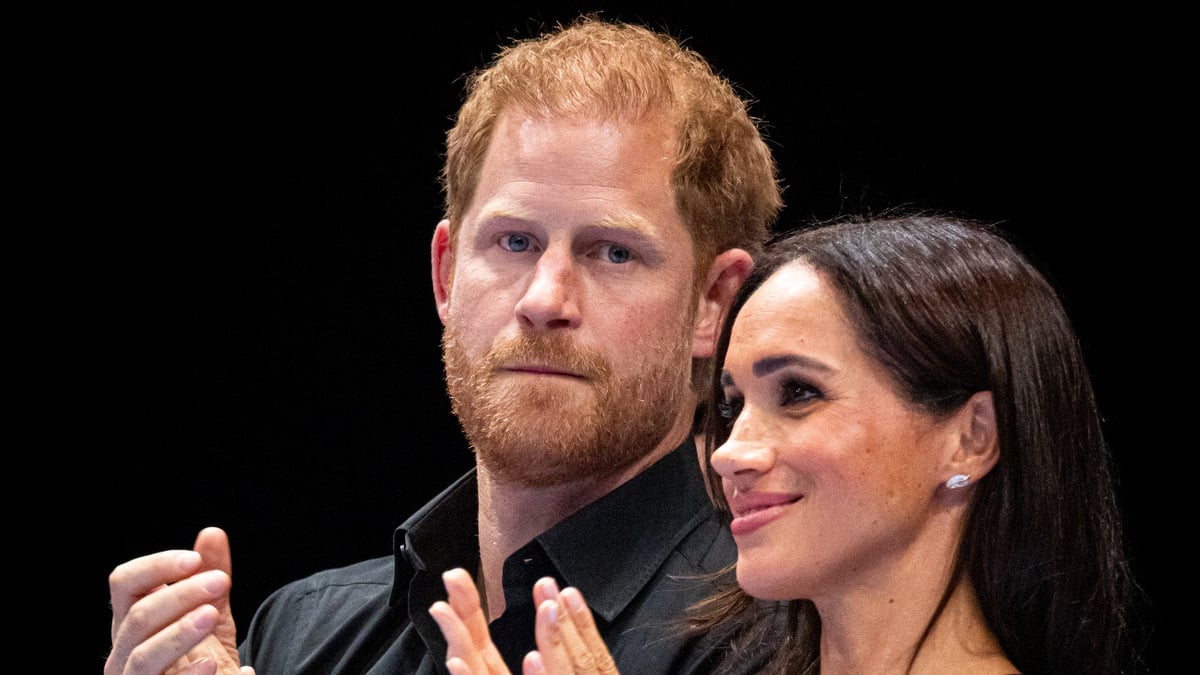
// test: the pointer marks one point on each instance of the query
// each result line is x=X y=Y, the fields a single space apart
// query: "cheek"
x=478 y=292
x=475 y=277
x=896 y=469
x=827 y=444
x=848 y=461
x=474 y=326
x=637 y=320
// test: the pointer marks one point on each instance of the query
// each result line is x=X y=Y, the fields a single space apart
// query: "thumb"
x=213 y=546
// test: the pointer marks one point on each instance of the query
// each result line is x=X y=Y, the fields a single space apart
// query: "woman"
x=911 y=456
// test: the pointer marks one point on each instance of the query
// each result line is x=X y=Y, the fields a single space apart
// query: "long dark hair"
x=950 y=307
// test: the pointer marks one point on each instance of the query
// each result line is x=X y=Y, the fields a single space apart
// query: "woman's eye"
x=794 y=392
x=729 y=410
x=516 y=243
x=616 y=254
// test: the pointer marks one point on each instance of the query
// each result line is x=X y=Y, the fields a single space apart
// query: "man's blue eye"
x=515 y=242
x=618 y=254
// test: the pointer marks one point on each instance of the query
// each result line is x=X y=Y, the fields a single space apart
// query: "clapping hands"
x=567 y=639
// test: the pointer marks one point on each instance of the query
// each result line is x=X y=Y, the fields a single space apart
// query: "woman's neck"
x=884 y=636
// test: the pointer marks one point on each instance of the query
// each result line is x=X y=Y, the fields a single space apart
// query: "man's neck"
x=510 y=516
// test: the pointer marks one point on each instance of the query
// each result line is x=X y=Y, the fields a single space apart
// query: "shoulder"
x=708 y=546
x=303 y=612
x=336 y=591
x=366 y=575
x=305 y=621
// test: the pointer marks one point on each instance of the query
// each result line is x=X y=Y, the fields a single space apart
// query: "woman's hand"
x=567 y=638
x=465 y=627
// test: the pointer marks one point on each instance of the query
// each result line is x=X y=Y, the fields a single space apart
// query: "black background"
x=256 y=340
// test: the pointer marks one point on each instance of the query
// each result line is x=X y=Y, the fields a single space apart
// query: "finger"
x=559 y=645
x=544 y=589
x=458 y=639
x=532 y=665
x=582 y=659
x=585 y=626
x=478 y=658
x=134 y=579
x=464 y=598
x=213 y=546
x=149 y=617
x=158 y=651
x=457 y=666
x=201 y=667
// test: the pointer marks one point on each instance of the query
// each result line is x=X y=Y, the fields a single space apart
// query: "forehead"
x=593 y=146
x=579 y=168
x=796 y=308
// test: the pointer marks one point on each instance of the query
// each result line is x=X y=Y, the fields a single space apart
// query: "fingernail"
x=202 y=618
x=534 y=661
x=213 y=581
x=553 y=611
x=549 y=586
x=573 y=598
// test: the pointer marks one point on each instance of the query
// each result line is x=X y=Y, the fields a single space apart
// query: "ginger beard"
x=539 y=432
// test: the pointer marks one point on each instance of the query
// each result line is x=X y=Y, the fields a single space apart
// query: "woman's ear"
x=725 y=275
x=977 y=446
x=441 y=259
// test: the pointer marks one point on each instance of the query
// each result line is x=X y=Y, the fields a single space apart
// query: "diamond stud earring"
x=958 y=480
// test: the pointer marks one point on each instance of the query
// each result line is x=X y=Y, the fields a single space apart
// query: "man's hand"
x=171 y=612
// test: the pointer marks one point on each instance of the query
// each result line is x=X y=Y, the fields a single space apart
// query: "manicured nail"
x=549 y=586
x=573 y=598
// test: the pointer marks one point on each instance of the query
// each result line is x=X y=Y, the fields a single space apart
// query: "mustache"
x=551 y=349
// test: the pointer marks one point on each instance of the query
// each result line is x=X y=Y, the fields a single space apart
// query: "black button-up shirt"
x=640 y=555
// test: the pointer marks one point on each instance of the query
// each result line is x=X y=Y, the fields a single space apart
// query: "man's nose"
x=551 y=299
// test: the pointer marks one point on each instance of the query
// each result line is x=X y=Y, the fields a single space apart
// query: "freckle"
x=891 y=600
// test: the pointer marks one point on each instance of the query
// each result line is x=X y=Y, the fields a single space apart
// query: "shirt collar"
x=441 y=535
x=612 y=548
x=609 y=549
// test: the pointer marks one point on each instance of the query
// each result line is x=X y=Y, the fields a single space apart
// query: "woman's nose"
x=744 y=451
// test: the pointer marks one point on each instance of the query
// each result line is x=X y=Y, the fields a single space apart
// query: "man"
x=605 y=193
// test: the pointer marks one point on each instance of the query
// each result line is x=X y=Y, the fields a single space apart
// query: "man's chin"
x=557 y=396
x=531 y=383
x=534 y=461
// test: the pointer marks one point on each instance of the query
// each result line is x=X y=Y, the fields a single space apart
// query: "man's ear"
x=976 y=446
x=725 y=275
x=441 y=258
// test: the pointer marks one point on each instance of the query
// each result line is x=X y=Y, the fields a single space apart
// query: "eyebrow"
x=769 y=364
x=624 y=222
